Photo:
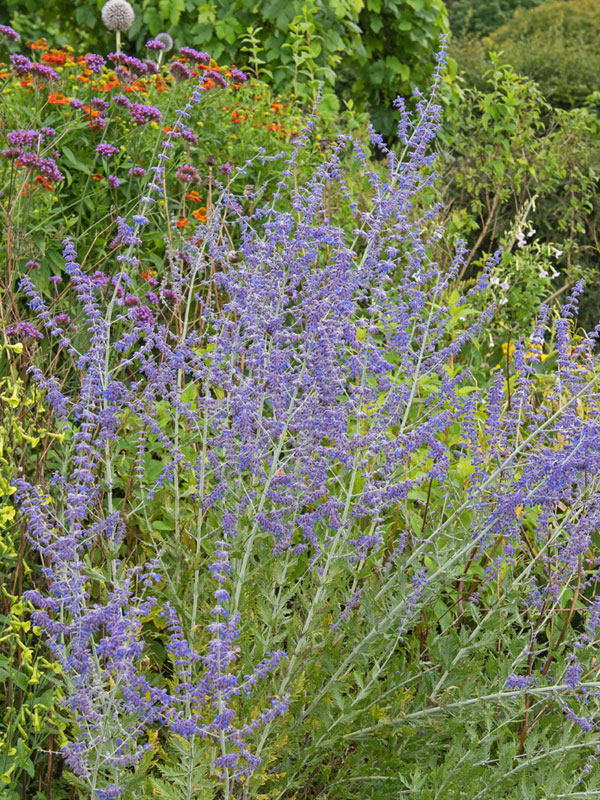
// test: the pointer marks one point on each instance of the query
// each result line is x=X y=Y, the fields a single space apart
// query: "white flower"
x=118 y=15
x=504 y=286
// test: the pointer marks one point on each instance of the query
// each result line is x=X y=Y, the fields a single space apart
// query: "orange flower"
x=194 y=197
x=182 y=222
x=148 y=274
x=276 y=107
x=57 y=57
x=57 y=99
x=45 y=183
x=138 y=86
x=41 y=44
x=274 y=126
x=98 y=177
x=200 y=214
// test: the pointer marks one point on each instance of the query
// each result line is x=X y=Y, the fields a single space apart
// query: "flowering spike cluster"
x=319 y=393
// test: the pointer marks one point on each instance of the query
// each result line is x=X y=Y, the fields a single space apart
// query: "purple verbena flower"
x=194 y=55
x=141 y=113
x=107 y=150
x=94 y=62
x=180 y=72
x=24 y=330
x=9 y=33
x=155 y=44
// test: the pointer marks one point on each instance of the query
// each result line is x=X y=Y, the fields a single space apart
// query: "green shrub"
x=398 y=37
x=480 y=17
x=556 y=44
x=513 y=161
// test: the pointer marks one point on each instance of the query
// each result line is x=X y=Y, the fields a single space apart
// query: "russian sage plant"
x=292 y=547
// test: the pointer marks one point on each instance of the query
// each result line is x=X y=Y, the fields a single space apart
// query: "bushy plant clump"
x=480 y=17
x=554 y=43
x=521 y=175
x=291 y=546
x=62 y=176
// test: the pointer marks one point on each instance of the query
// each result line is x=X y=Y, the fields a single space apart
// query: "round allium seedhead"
x=166 y=40
x=118 y=15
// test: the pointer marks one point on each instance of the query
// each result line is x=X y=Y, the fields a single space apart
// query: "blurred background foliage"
x=554 y=43
x=480 y=17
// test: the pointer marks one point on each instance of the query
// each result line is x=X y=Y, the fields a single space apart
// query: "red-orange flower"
x=200 y=214
x=40 y=44
x=56 y=57
x=148 y=274
x=182 y=222
x=194 y=196
x=57 y=99
x=45 y=183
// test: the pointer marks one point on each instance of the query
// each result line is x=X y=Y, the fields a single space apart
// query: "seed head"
x=118 y=15
x=166 y=39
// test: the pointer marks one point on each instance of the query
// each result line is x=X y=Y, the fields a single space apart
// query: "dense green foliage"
x=480 y=17
x=515 y=164
x=555 y=44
